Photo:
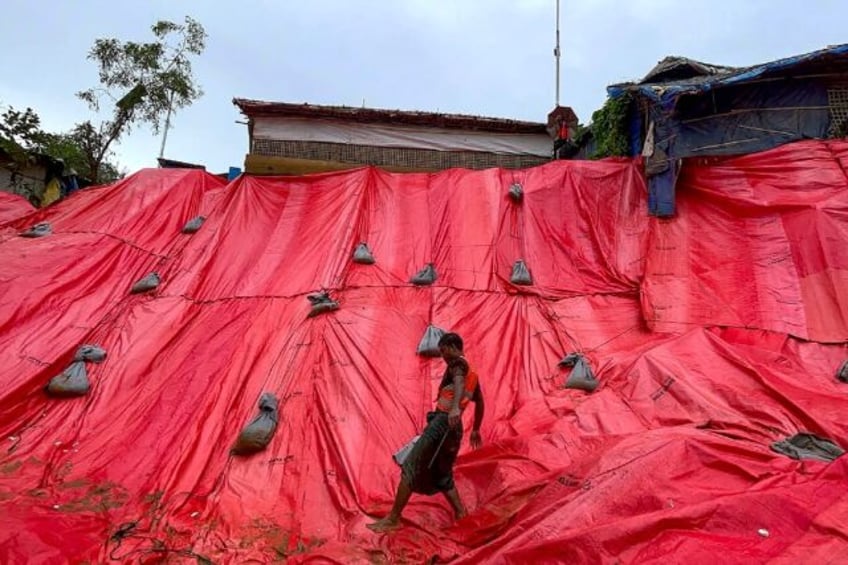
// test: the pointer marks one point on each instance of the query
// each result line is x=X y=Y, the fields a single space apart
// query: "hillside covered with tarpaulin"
x=13 y=206
x=707 y=343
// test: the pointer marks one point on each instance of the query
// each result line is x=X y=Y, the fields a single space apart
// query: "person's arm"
x=479 y=410
x=455 y=414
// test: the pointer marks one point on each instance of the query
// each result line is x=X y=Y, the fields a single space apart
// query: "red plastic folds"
x=760 y=241
x=670 y=456
x=13 y=207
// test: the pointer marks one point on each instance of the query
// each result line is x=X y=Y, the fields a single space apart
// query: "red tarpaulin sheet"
x=13 y=206
x=669 y=456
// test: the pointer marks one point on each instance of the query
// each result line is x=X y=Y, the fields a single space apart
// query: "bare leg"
x=458 y=509
x=392 y=521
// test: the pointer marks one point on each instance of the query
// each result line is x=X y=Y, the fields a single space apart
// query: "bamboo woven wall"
x=392 y=156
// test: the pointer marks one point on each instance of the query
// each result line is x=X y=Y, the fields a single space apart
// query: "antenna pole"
x=557 y=52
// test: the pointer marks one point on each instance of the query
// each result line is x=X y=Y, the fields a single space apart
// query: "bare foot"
x=387 y=524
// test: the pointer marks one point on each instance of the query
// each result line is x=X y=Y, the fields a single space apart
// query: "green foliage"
x=22 y=137
x=609 y=128
x=21 y=128
x=20 y=133
x=140 y=83
x=69 y=147
x=143 y=82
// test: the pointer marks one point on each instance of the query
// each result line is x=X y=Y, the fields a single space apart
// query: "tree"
x=610 y=128
x=143 y=82
x=20 y=133
x=22 y=137
x=70 y=148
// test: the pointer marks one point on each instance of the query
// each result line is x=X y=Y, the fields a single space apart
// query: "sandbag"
x=258 y=433
x=516 y=193
x=363 y=255
x=93 y=353
x=321 y=302
x=73 y=381
x=148 y=283
x=429 y=344
x=842 y=373
x=38 y=230
x=425 y=276
x=520 y=274
x=404 y=451
x=808 y=446
x=581 y=377
x=193 y=225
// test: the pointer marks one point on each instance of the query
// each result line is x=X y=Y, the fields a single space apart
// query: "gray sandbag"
x=520 y=274
x=842 y=373
x=429 y=344
x=321 y=302
x=425 y=276
x=808 y=446
x=148 y=283
x=362 y=255
x=193 y=225
x=38 y=230
x=93 y=353
x=404 y=451
x=73 y=381
x=516 y=193
x=581 y=377
x=258 y=433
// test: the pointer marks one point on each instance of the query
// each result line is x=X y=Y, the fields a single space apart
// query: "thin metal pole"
x=167 y=125
x=556 y=53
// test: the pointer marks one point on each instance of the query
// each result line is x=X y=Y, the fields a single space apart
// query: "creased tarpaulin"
x=671 y=456
x=760 y=242
x=12 y=207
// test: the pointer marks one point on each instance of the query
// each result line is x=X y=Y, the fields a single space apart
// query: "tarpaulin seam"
x=112 y=236
x=341 y=290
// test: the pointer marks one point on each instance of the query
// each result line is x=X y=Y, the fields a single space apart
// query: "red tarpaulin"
x=13 y=206
x=692 y=325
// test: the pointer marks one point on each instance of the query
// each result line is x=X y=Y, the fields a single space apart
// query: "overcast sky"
x=486 y=57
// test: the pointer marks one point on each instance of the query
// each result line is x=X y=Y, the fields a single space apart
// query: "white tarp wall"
x=414 y=137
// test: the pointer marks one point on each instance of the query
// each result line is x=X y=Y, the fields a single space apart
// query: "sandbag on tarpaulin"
x=146 y=284
x=321 y=303
x=808 y=446
x=842 y=372
x=193 y=225
x=38 y=230
x=516 y=193
x=425 y=276
x=581 y=376
x=520 y=274
x=258 y=433
x=429 y=344
x=93 y=353
x=363 y=255
x=73 y=381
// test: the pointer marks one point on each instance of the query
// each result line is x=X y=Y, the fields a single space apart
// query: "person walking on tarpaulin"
x=428 y=467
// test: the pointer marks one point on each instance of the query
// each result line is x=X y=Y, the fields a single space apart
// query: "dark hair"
x=451 y=340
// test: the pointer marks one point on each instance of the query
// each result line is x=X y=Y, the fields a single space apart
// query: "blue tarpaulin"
x=698 y=109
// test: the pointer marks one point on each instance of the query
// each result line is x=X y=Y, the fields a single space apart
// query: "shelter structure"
x=686 y=108
x=306 y=138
